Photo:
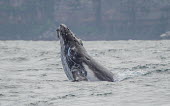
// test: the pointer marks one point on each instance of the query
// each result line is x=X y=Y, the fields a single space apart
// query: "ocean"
x=31 y=74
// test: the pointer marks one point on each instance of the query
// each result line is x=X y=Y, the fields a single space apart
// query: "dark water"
x=31 y=74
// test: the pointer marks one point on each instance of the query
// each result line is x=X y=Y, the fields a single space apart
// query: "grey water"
x=31 y=74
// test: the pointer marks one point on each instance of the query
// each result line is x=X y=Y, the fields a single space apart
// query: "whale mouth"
x=63 y=32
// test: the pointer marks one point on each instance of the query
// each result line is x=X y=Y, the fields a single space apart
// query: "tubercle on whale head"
x=68 y=36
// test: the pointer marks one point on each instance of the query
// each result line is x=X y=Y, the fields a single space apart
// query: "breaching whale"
x=77 y=64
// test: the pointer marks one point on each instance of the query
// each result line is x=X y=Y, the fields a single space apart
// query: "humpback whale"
x=77 y=63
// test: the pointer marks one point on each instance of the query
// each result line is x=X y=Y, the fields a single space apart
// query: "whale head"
x=71 y=54
x=67 y=35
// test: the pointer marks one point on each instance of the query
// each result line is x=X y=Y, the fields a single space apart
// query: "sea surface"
x=31 y=74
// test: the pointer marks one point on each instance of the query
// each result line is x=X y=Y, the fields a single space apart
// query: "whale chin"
x=77 y=64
